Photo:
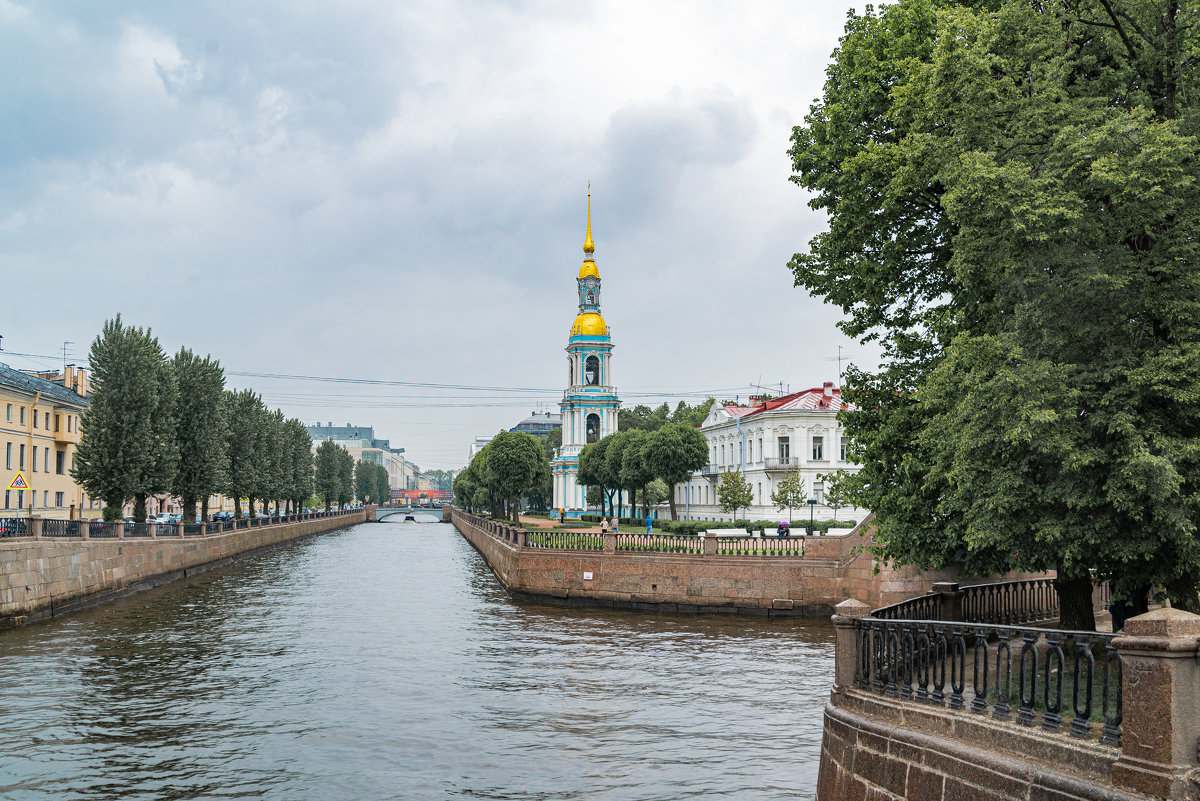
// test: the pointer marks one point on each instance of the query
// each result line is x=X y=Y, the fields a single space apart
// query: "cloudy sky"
x=395 y=192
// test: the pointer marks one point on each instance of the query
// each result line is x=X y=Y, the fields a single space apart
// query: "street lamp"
x=812 y=504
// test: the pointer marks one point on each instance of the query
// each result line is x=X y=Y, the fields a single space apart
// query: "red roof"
x=814 y=398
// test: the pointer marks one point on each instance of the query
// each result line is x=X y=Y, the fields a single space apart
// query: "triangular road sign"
x=19 y=482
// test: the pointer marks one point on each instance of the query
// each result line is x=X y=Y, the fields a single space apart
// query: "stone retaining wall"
x=41 y=578
x=832 y=569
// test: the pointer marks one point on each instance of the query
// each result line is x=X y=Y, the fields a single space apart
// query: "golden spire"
x=589 y=247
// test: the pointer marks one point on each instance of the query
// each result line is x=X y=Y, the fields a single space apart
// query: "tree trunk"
x=1075 y=603
x=139 y=507
x=671 y=501
x=204 y=509
x=189 y=509
x=250 y=507
x=237 y=508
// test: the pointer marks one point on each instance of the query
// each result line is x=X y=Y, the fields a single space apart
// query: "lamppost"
x=812 y=504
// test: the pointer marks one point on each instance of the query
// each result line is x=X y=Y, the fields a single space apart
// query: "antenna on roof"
x=66 y=350
x=840 y=356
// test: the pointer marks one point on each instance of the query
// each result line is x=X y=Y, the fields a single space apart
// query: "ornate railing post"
x=951 y=603
x=1161 y=683
x=846 y=639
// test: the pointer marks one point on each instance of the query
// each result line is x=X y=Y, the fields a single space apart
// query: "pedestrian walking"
x=604 y=525
x=649 y=525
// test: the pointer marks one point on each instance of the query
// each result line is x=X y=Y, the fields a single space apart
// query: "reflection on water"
x=385 y=662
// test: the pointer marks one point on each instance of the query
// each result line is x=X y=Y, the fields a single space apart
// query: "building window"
x=593 y=426
x=722 y=455
x=21 y=458
x=58 y=499
x=760 y=497
x=760 y=449
x=8 y=417
x=818 y=448
x=46 y=459
x=35 y=424
x=8 y=456
x=22 y=415
x=20 y=499
x=47 y=421
x=785 y=448
x=34 y=450
x=591 y=371
x=7 y=499
x=819 y=491
x=842 y=453
x=57 y=420
x=60 y=459
x=45 y=499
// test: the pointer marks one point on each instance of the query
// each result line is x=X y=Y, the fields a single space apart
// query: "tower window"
x=591 y=371
x=593 y=425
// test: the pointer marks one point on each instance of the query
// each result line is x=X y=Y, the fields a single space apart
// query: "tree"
x=791 y=492
x=692 y=416
x=635 y=471
x=199 y=430
x=642 y=418
x=328 y=475
x=127 y=447
x=383 y=486
x=593 y=469
x=673 y=453
x=835 y=490
x=515 y=463
x=345 y=480
x=364 y=480
x=734 y=492
x=614 y=459
x=300 y=463
x=1012 y=212
x=655 y=493
x=243 y=441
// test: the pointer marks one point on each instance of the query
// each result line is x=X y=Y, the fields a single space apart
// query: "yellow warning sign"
x=19 y=482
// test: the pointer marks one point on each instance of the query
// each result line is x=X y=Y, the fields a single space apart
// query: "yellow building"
x=39 y=429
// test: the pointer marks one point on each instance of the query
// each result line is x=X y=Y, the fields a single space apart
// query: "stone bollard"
x=848 y=611
x=179 y=530
x=119 y=529
x=610 y=542
x=951 y=599
x=85 y=529
x=521 y=538
x=35 y=526
x=709 y=544
x=1160 y=683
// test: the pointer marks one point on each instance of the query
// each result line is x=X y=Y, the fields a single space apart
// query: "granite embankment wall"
x=832 y=569
x=47 y=577
x=886 y=743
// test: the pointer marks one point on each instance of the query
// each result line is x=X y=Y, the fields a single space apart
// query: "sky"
x=391 y=197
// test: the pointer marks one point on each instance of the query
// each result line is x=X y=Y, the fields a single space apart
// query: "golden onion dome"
x=589 y=324
x=589 y=270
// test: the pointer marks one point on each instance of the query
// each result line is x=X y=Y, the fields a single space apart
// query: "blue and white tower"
x=589 y=406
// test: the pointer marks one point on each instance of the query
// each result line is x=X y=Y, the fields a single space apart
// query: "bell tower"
x=590 y=403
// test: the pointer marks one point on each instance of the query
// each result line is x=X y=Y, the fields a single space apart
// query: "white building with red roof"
x=765 y=440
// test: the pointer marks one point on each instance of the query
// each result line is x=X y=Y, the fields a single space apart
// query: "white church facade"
x=589 y=405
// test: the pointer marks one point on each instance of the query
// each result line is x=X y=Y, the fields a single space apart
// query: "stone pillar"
x=521 y=538
x=179 y=530
x=951 y=599
x=610 y=543
x=119 y=527
x=85 y=529
x=710 y=544
x=1160 y=682
x=848 y=611
x=35 y=526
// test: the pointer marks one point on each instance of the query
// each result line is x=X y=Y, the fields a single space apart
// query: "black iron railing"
x=198 y=529
x=133 y=530
x=760 y=546
x=14 y=527
x=60 y=528
x=562 y=540
x=659 y=543
x=100 y=529
x=1056 y=675
x=923 y=607
x=1010 y=602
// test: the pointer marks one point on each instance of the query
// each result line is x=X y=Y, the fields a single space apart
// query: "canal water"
x=385 y=662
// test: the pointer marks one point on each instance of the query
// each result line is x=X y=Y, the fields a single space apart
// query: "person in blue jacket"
x=649 y=524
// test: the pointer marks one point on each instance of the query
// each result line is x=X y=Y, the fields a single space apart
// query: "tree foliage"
x=673 y=453
x=792 y=491
x=1012 y=197
x=734 y=492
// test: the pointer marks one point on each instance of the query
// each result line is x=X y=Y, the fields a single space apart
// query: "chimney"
x=829 y=389
x=81 y=382
x=757 y=400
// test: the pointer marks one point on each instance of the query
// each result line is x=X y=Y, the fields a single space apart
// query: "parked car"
x=162 y=519
x=222 y=516
x=11 y=527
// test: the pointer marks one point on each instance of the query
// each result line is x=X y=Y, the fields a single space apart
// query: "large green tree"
x=516 y=463
x=673 y=453
x=1013 y=210
x=327 y=479
x=734 y=492
x=199 y=430
x=300 y=463
x=244 y=440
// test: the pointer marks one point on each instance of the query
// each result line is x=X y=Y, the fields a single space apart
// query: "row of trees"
x=734 y=491
x=634 y=460
x=510 y=467
x=1014 y=215
x=167 y=425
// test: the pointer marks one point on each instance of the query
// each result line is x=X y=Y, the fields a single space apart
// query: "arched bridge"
x=396 y=514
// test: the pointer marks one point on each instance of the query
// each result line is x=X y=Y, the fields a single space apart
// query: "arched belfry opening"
x=591 y=371
x=593 y=427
